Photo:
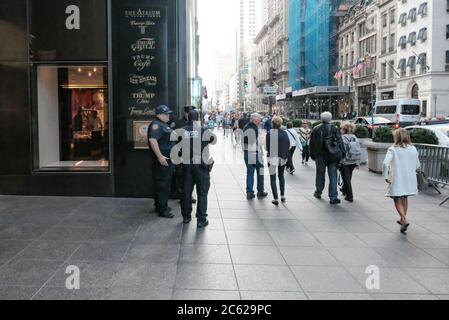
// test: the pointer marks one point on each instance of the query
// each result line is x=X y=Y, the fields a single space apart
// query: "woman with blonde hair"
x=278 y=146
x=353 y=156
x=399 y=169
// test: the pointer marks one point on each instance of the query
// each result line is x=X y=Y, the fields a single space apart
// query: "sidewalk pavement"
x=305 y=249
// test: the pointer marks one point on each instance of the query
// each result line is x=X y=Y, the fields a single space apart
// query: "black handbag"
x=423 y=181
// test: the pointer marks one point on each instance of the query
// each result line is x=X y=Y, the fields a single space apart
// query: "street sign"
x=270 y=91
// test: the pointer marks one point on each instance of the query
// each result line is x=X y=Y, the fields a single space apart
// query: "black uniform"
x=196 y=170
x=162 y=175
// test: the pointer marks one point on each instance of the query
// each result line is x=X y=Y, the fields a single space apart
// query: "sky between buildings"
x=218 y=23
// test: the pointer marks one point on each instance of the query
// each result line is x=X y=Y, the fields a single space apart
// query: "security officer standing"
x=159 y=135
x=179 y=176
x=197 y=166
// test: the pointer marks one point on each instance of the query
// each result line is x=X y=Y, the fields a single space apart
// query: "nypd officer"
x=197 y=166
x=159 y=134
x=179 y=177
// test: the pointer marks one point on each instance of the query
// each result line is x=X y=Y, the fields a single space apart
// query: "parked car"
x=378 y=123
x=441 y=131
x=403 y=111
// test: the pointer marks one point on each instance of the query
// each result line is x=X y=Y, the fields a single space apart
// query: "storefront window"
x=72 y=117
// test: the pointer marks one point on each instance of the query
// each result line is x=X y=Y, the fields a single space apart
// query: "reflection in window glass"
x=386 y=109
x=72 y=112
x=410 y=110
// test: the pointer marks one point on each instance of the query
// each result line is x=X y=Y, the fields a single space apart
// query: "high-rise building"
x=194 y=90
x=225 y=68
x=312 y=42
x=272 y=51
x=423 y=54
x=249 y=25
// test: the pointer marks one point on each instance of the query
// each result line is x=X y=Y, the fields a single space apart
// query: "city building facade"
x=79 y=84
x=423 y=54
x=312 y=42
x=272 y=52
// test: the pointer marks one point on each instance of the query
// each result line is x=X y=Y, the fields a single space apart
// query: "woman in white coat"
x=399 y=169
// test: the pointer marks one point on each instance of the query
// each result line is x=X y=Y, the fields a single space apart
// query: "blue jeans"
x=321 y=165
x=253 y=164
x=280 y=173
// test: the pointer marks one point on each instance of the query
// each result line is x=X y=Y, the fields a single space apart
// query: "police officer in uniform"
x=179 y=176
x=159 y=134
x=197 y=166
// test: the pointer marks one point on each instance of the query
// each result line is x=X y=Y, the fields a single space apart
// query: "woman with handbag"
x=304 y=135
x=278 y=145
x=352 y=158
x=399 y=169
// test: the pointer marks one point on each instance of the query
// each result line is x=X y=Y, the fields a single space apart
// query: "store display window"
x=71 y=112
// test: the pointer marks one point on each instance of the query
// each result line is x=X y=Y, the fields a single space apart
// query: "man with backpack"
x=327 y=150
x=353 y=156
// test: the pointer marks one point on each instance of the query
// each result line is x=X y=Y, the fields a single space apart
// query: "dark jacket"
x=251 y=137
x=317 y=139
x=283 y=144
x=194 y=136
x=243 y=122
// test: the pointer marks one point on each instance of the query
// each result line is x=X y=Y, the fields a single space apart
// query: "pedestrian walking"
x=278 y=146
x=197 y=165
x=304 y=136
x=253 y=156
x=353 y=156
x=159 y=134
x=326 y=149
x=295 y=143
x=267 y=125
x=399 y=170
x=236 y=129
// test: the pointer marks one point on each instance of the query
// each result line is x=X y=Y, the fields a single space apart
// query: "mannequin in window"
x=94 y=122
x=78 y=120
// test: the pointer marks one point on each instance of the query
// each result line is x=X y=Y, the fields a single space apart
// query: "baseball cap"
x=189 y=108
x=163 y=110
x=194 y=115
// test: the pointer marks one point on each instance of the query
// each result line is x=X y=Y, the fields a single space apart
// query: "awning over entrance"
x=322 y=91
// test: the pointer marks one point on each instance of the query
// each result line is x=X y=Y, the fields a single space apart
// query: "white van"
x=402 y=111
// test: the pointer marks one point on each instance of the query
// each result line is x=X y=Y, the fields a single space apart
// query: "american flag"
x=358 y=67
x=368 y=60
x=339 y=75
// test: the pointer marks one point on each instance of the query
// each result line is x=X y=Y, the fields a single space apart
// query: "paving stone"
x=265 y=278
x=180 y=294
x=256 y=255
x=205 y=276
x=326 y=279
x=392 y=280
x=212 y=254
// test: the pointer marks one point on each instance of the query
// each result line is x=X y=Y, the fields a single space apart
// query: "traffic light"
x=273 y=74
x=245 y=85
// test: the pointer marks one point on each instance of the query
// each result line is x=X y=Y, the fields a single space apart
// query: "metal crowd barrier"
x=435 y=164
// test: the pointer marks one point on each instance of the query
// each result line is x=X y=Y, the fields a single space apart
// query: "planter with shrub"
x=378 y=148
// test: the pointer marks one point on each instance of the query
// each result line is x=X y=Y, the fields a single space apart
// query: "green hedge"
x=424 y=136
x=361 y=132
x=297 y=123
x=384 y=134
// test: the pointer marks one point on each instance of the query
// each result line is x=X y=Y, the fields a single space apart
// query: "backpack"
x=332 y=147
x=353 y=150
